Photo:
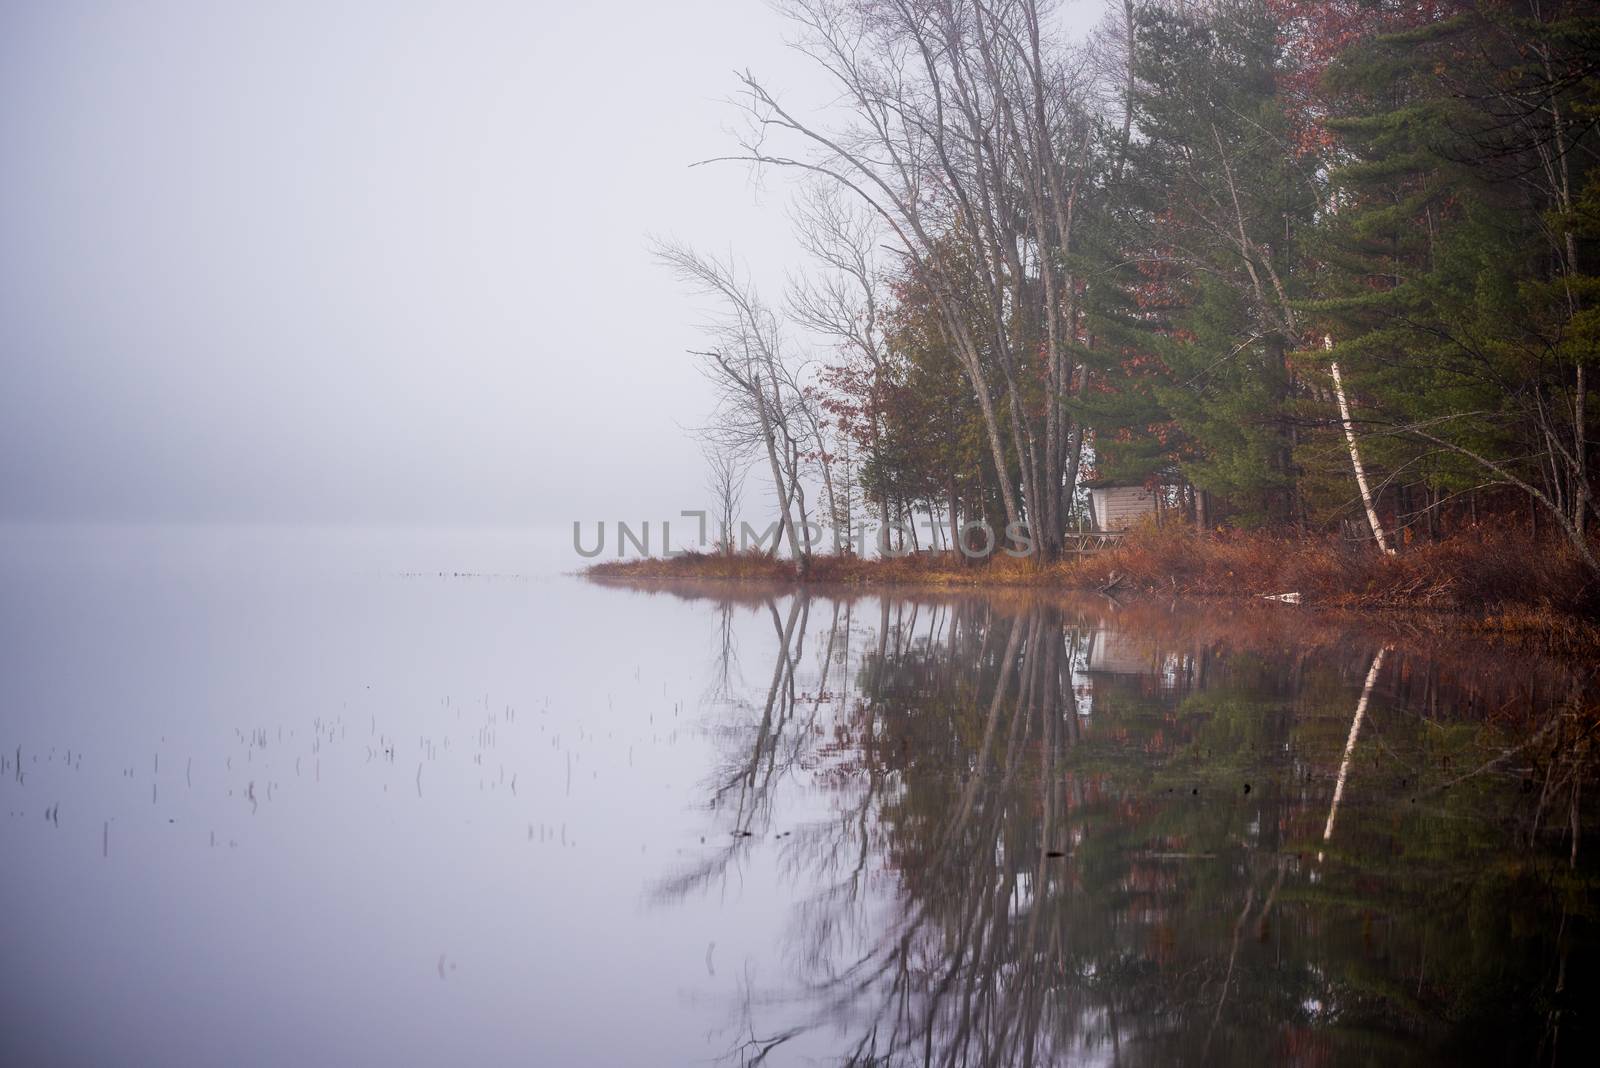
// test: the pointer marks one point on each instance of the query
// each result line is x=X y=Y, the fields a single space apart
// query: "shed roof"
x=1114 y=483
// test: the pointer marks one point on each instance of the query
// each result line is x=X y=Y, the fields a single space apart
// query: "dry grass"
x=1503 y=583
x=753 y=566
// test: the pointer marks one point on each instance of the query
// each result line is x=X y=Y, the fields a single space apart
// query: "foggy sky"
x=366 y=262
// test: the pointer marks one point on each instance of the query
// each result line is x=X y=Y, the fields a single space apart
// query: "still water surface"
x=357 y=797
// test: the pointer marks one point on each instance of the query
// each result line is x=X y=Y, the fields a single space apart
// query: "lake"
x=277 y=796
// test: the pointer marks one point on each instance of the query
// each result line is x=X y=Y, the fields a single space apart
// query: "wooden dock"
x=1083 y=543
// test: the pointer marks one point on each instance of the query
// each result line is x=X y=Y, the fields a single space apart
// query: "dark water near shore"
x=361 y=798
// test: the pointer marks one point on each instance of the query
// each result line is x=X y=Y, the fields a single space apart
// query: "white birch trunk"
x=1355 y=455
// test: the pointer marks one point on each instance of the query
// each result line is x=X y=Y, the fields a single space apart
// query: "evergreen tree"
x=1455 y=276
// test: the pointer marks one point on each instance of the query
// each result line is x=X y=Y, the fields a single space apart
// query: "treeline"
x=1318 y=267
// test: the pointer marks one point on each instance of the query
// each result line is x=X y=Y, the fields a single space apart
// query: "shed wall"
x=1120 y=507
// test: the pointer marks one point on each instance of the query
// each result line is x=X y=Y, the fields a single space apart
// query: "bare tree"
x=763 y=402
x=842 y=300
x=966 y=135
x=727 y=467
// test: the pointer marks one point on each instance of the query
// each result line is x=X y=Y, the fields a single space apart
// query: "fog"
x=367 y=262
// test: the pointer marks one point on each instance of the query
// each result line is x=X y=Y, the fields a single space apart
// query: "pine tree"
x=1220 y=204
x=1454 y=274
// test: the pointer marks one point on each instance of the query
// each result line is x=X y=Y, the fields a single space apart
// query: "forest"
x=1321 y=271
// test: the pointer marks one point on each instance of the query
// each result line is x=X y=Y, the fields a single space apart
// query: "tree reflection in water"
x=1062 y=832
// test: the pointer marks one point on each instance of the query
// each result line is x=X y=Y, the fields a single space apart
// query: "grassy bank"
x=1487 y=581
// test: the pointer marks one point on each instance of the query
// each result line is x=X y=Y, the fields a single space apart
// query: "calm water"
x=276 y=797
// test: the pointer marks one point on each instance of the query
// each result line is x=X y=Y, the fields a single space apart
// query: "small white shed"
x=1120 y=505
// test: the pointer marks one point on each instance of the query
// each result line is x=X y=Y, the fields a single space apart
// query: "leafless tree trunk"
x=758 y=405
x=727 y=469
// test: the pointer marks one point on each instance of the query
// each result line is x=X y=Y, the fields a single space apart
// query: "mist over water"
x=323 y=326
x=363 y=796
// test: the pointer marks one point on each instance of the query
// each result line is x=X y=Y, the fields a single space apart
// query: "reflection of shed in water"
x=1121 y=661
x=1115 y=653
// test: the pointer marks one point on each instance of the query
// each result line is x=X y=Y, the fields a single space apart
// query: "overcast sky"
x=366 y=262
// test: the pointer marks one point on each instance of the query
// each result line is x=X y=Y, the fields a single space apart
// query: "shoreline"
x=1488 y=585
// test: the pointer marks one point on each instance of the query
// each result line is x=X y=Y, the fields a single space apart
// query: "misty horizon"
x=366 y=264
